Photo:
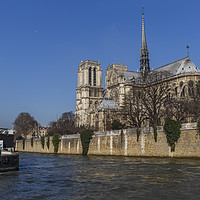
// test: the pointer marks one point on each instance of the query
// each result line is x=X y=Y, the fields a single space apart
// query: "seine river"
x=43 y=176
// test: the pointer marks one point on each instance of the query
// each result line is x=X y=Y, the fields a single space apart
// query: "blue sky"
x=42 y=43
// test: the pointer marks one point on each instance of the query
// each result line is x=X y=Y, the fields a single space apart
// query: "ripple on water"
x=80 y=177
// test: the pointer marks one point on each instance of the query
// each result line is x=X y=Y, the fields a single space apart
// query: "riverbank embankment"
x=124 y=143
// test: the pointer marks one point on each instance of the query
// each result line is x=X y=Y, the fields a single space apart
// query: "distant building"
x=96 y=108
x=7 y=131
x=38 y=131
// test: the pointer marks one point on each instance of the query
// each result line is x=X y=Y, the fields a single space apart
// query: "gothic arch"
x=183 y=90
x=181 y=84
x=191 y=88
x=198 y=88
x=90 y=76
x=175 y=89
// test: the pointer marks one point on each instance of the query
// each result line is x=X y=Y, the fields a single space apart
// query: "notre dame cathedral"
x=94 y=105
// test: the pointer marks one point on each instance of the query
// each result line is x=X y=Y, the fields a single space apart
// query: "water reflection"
x=99 y=177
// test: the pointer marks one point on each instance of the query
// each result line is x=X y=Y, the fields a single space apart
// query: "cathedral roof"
x=107 y=104
x=131 y=75
x=184 y=65
x=181 y=66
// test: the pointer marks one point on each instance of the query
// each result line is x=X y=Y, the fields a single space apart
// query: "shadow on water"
x=44 y=176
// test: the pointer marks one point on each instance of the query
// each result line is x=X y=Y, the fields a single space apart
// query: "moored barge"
x=9 y=159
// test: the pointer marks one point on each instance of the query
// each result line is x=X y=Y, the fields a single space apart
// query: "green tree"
x=48 y=142
x=42 y=141
x=172 y=131
x=55 y=141
x=138 y=133
x=32 y=141
x=86 y=136
x=117 y=125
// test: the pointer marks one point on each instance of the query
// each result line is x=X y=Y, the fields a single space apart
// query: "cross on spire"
x=187 y=50
x=142 y=9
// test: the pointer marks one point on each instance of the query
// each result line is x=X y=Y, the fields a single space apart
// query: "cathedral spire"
x=144 y=54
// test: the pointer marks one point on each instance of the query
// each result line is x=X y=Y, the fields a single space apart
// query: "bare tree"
x=154 y=99
x=148 y=102
x=178 y=109
x=68 y=116
x=24 y=123
x=133 y=109
x=194 y=107
x=64 y=125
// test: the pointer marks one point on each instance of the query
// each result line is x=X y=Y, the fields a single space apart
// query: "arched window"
x=181 y=84
x=90 y=76
x=198 y=88
x=183 y=92
x=191 y=88
x=94 y=75
x=176 y=91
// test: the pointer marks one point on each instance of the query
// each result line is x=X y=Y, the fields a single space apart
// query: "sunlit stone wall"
x=70 y=144
x=124 y=143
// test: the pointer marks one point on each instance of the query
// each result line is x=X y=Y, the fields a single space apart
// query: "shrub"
x=116 y=125
x=48 y=142
x=42 y=141
x=55 y=141
x=23 y=143
x=138 y=133
x=32 y=141
x=198 y=124
x=19 y=138
x=172 y=131
x=86 y=136
x=155 y=133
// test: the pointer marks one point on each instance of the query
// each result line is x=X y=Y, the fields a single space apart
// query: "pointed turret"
x=144 y=54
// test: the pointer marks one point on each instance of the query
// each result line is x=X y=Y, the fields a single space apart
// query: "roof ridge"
x=132 y=71
x=171 y=63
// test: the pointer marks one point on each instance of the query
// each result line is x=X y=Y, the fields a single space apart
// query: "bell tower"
x=89 y=92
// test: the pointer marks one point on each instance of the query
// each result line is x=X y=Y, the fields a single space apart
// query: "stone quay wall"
x=124 y=143
x=69 y=144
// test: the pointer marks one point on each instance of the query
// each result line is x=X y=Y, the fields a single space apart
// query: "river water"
x=44 y=176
